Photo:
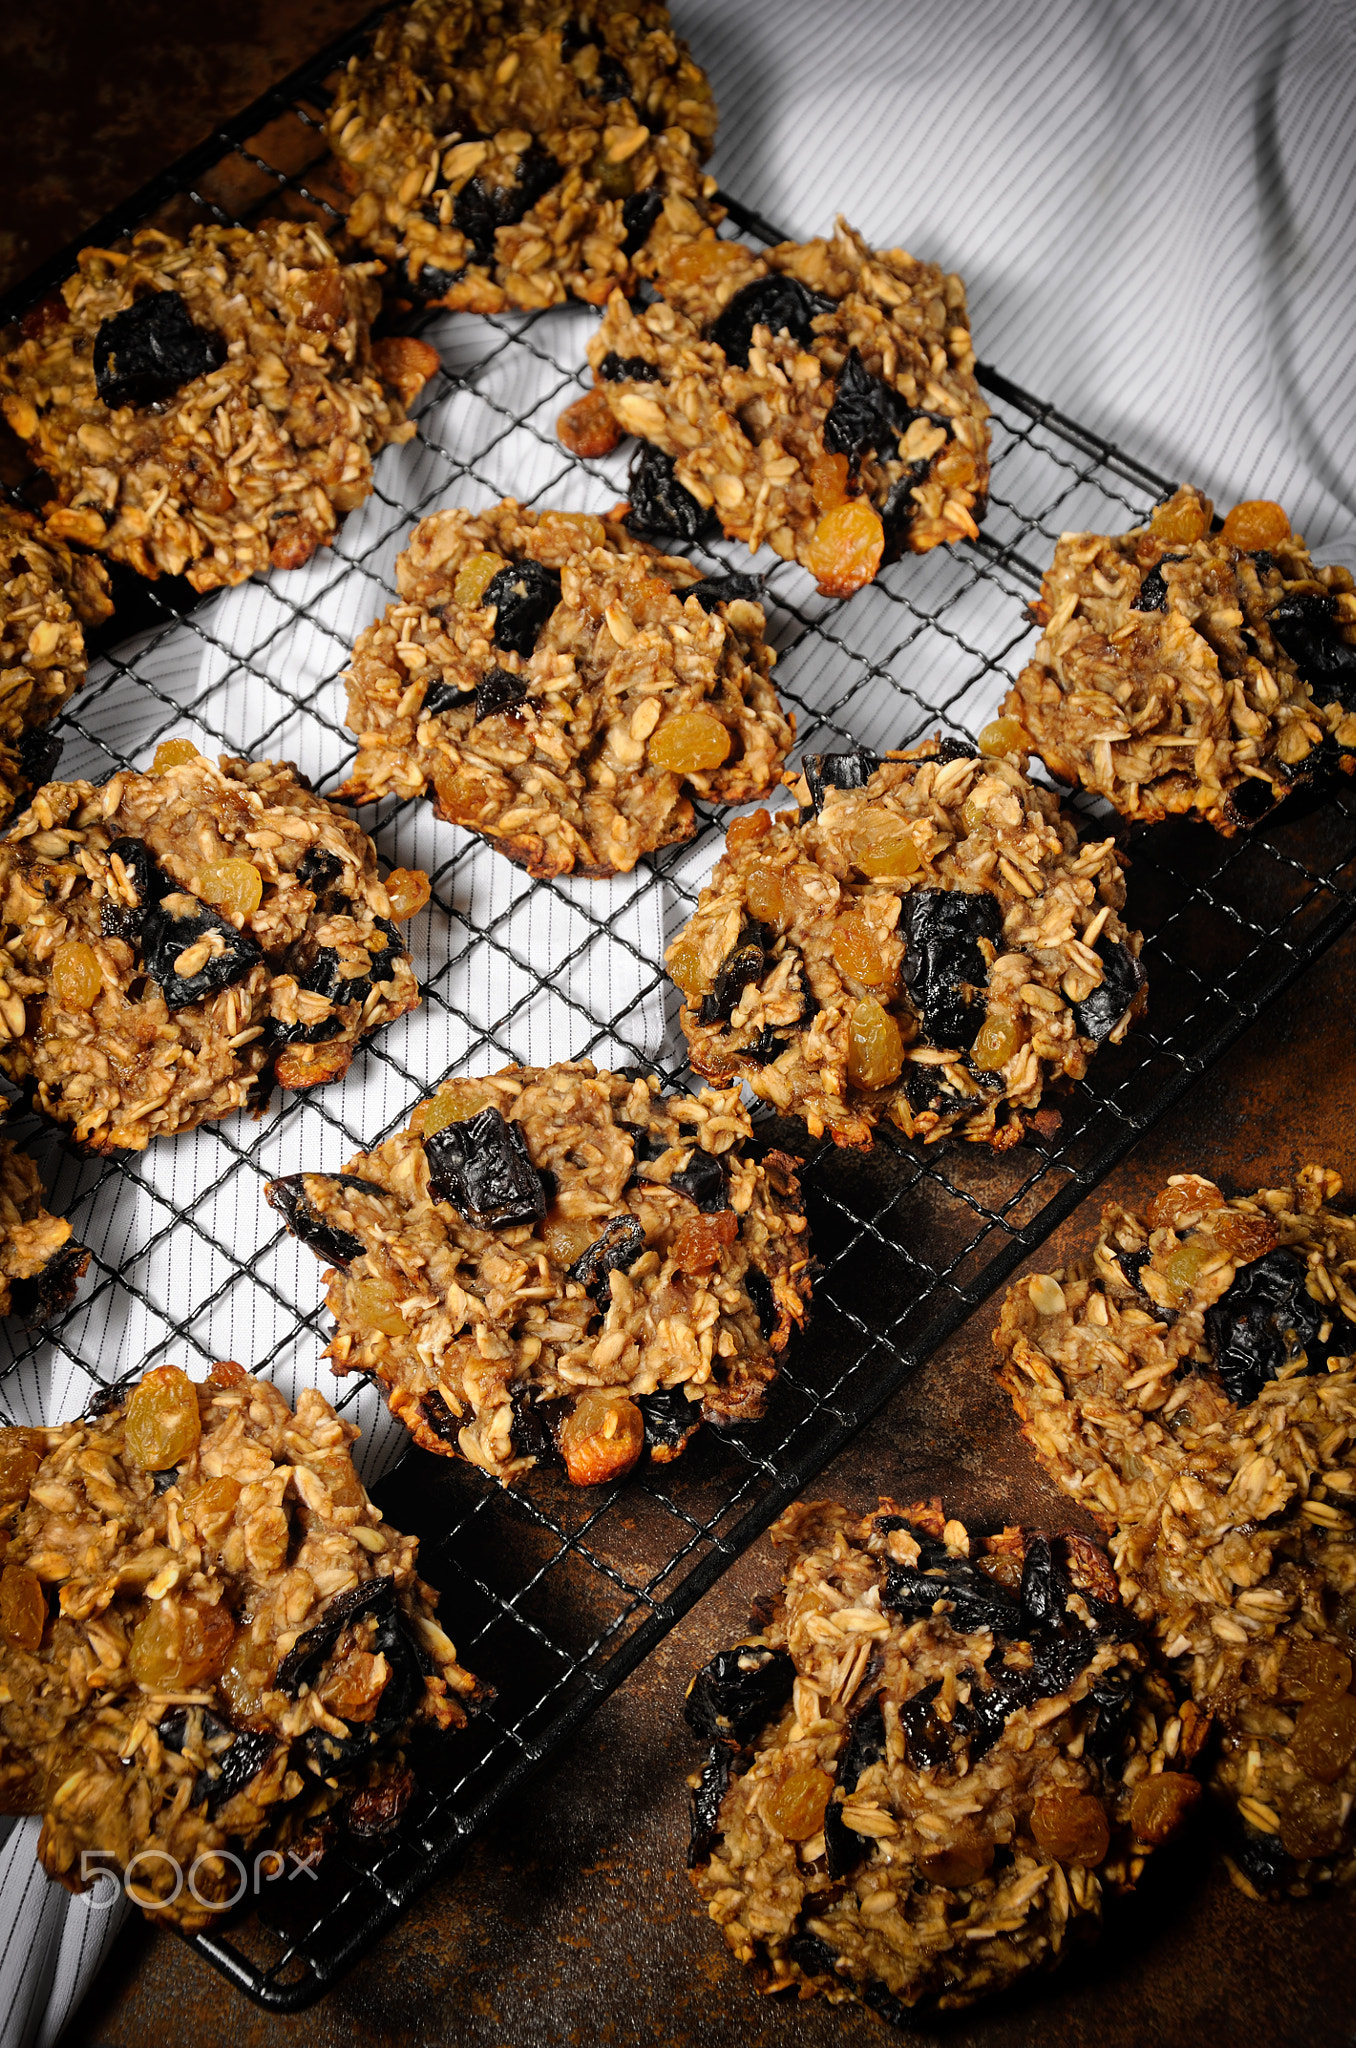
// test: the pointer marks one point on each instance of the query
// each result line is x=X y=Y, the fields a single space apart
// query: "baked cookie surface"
x=176 y=940
x=555 y=1261
x=522 y=153
x=1193 y=1384
x=1188 y=670
x=47 y=595
x=209 y=1639
x=932 y=1764
x=565 y=689
x=39 y=1262
x=819 y=397
x=210 y=408
x=926 y=941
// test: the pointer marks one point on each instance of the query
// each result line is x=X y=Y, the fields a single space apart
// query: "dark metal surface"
x=556 y=1596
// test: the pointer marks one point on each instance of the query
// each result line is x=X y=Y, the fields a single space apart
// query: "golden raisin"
x=244 y=1681
x=226 y=1373
x=21 y=1453
x=354 y=1683
x=173 y=754
x=973 y=810
x=1311 y=1822
x=828 y=481
x=578 y=526
x=1315 y=1671
x=1183 y=518
x=233 y=886
x=475 y=577
x=883 y=847
x=213 y=1501
x=1185 y=1195
x=685 y=969
x=1256 y=523
x=795 y=1809
x=455 y=1105
x=1160 y=1805
x=689 y=743
x=588 y=427
x=180 y=1643
x=23 y=1607
x=875 y=1047
x=856 y=954
x=76 y=978
x=163 y=1427
x=306 y=1066
x=705 y=261
x=567 y=1237
x=997 y=1040
x=1183 y=1268
x=461 y=795
x=845 y=548
x=765 y=896
x=744 y=831
x=698 y=1245
x=1246 y=1238
x=601 y=1437
x=966 y=1861
x=1004 y=736
x=1070 y=1826
x=408 y=890
x=1324 y=1740
x=956 y=466
x=376 y=1305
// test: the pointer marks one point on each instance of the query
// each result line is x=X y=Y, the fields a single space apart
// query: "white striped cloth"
x=1152 y=208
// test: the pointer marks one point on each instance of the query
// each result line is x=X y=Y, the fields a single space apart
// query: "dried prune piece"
x=1266 y=1317
x=844 y=1848
x=447 y=697
x=1122 y=978
x=924 y=1088
x=744 y=963
x=984 y=1719
x=1057 y=1661
x=885 y=2005
x=706 y=1803
x=610 y=80
x=392 y=1639
x=1132 y=1264
x=1249 y=802
x=39 y=752
x=1153 y=590
x=321 y=978
x=480 y=210
x=669 y=1418
x=161 y=1482
x=151 y=350
x=776 y=303
x=1307 y=627
x=165 y=937
x=660 y=506
x=500 y=690
x=621 y=1244
x=702 y=1180
x=976 y=1602
x=896 y=514
x=714 y=590
x=865 y=414
x=738 y=1692
x=39 y=1297
x=481 y=1167
x=1112 y=1697
x=535 y=1424
x=288 y=1196
x=1045 y=1586
x=942 y=929
x=640 y=211
x=953 y=748
x=234 y=1755
x=318 y=871
x=122 y=920
x=810 y=1952
x=615 y=369
x=377 y=1810
x=430 y=283
x=865 y=1744
x=525 y=594
x=760 y=1292
x=1260 y=1858
x=928 y=1740
x=848 y=770
x=439 y=1417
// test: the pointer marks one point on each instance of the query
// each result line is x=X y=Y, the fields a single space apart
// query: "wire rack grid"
x=552 y=1595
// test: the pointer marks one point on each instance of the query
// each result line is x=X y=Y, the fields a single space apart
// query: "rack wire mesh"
x=555 y=1595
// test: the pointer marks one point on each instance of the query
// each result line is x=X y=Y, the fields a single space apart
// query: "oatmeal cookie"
x=174 y=941
x=524 y=152
x=1185 y=669
x=1193 y=1384
x=210 y=407
x=820 y=397
x=39 y=1263
x=553 y=1261
x=927 y=941
x=564 y=688
x=47 y=595
x=209 y=1639
x=934 y=1761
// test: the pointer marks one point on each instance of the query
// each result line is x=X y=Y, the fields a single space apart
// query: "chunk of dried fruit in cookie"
x=555 y=1262
x=819 y=397
x=1193 y=1383
x=211 y=407
x=523 y=153
x=210 y=1641
x=176 y=940
x=926 y=941
x=566 y=690
x=934 y=1762
x=1191 y=666
x=47 y=595
x=39 y=1262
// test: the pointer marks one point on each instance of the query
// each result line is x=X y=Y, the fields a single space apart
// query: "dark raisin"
x=38 y=1297
x=766 y=1047
x=1263 y=560
x=479 y=210
x=244 y=1760
x=446 y=697
x=288 y=1196
x=392 y=1639
x=1307 y=627
x=759 y=1290
x=865 y=1744
x=660 y=506
x=151 y=350
x=1261 y=1859
x=318 y=871
x=886 y=2005
x=621 y=1244
x=844 y=1848
x=375 y=1811
x=1266 y=1317
x=1318 y=765
x=714 y=590
x=164 y=938
x=777 y=303
x=640 y=211
x=104 y=1400
x=500 y=690
x=482 y=1169
x=702 y=1180
x=430 y=283
x=848 y=770
x=738 y=1693
x=39 y=752
x=163 y=1481
x=1111 y=1699
x=865 y=415
x=811 y=1953
x=942 y=929
x=669 y=1417
x=927 y=1740
x=1122 y=978
x=706 y=1804
x=439 y=1416
x=744 y=963
x=610 y=80
x=1249 y=803
x=953 y=748
x=615 y=369
x=1153 y=589
x=124 y=921
x=535 y=1424
x=524 y=594
x=1132 y=1265
x=924 y=1089
x=322 y=978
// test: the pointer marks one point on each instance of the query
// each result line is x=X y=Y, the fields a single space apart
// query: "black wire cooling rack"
x=555 y=1595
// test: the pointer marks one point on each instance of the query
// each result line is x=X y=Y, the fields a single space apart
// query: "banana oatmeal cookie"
x=525 y=151
x=564 y=688
x=926 y=941
x=934 y=1761
x=46 y=595
x=175 y=941
x=820 y=396
x=1193 y=1384
x=210 y=1641
x=210 y=407
x=39 y=1263
x=1184 y=668
x=553 y=1262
